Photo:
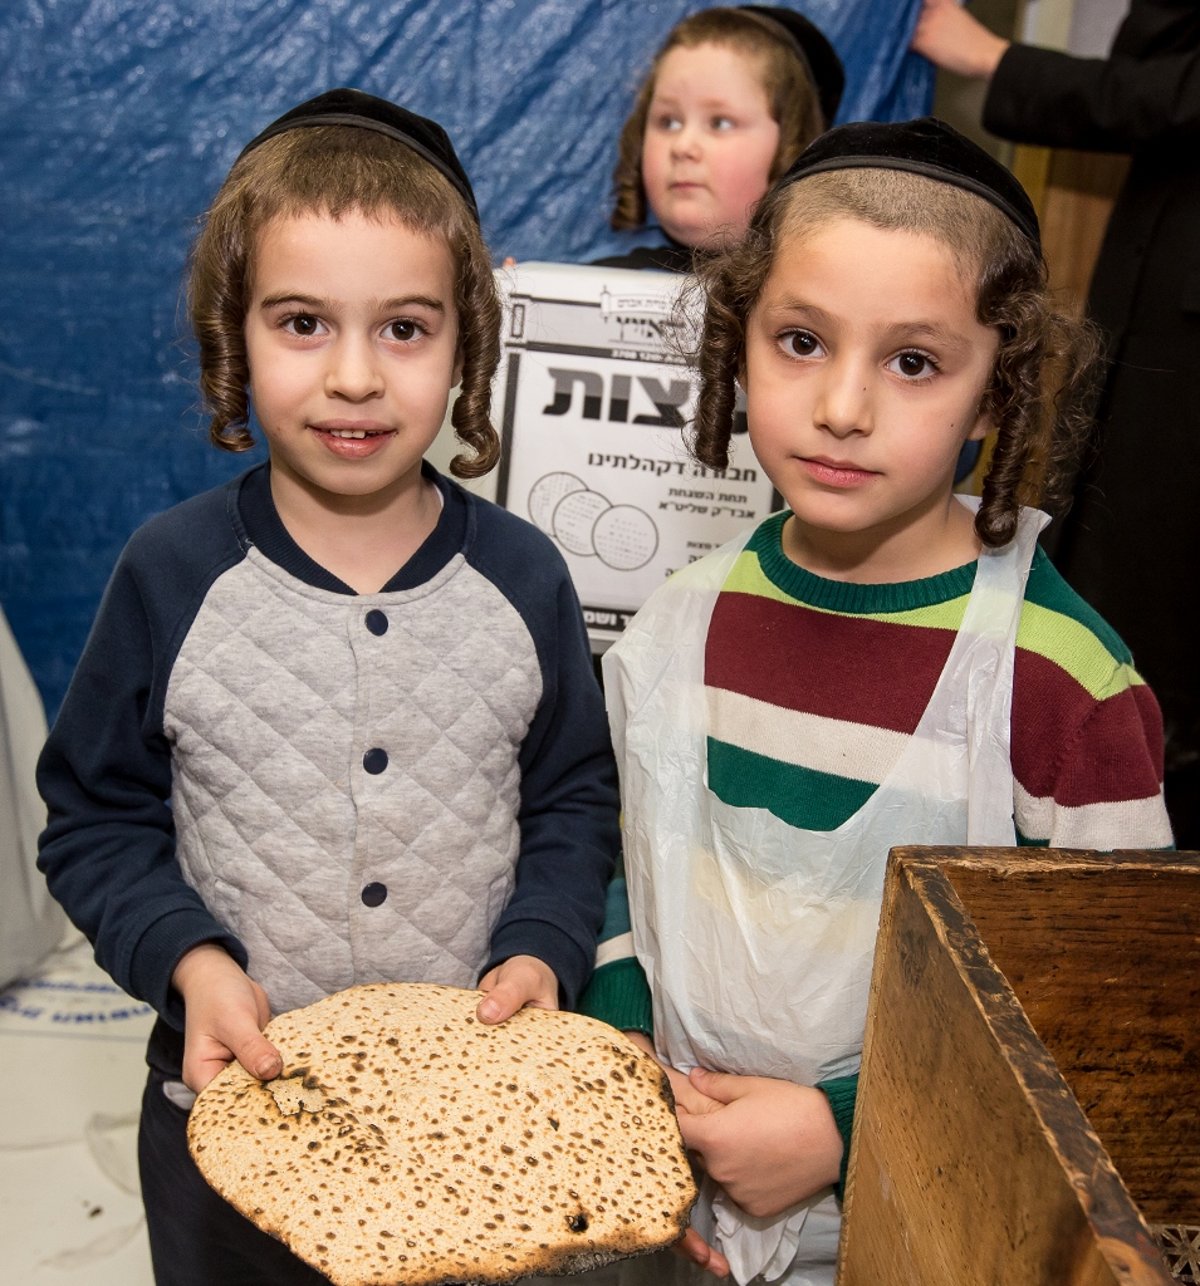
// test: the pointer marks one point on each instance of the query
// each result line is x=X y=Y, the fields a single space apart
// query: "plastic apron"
x=757 y=938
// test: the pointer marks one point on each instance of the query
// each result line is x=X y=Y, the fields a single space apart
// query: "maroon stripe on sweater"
x=1117 y=765
x=873 y=672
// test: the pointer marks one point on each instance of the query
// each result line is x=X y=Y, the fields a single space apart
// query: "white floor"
x=71 y=1075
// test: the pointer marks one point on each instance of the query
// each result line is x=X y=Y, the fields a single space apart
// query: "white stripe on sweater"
x=834 y=746
x=1129 y=823
x=618 y=948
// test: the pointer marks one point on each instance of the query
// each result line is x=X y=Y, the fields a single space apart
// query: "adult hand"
x=955 y=40
x=519 y=981
x=224 y=1013
x=768 y=1143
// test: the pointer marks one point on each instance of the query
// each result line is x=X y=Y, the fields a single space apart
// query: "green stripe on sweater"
x=802 y=797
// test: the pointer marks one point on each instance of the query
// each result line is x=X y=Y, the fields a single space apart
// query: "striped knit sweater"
x=815 y=685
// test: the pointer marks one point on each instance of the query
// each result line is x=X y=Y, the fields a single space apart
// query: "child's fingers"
x=259 y=1057
x=521 y=981
x=500 y=1003
x=199 y=1069
x=693 y=1247
x=643 y=1042
x=687 y=1097
x=697 y=1129
x=255 y=1053
x=720 y=1086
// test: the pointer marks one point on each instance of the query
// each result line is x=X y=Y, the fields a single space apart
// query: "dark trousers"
x=196 y=1237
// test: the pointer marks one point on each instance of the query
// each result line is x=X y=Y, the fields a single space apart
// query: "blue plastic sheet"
x=122 y=117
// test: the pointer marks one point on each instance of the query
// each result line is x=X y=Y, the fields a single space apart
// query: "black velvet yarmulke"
x=926 y=146
x=352 y=107
x=824 y=66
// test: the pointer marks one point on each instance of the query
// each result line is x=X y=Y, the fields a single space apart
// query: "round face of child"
x=352 y=341
x=864 y=371
x=709 y=144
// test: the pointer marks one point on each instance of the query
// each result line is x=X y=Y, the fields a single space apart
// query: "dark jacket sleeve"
x=569 y=810
x=1147 y=92
x=108 y=850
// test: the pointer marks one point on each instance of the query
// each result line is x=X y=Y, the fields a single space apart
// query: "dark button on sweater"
x=374 y=894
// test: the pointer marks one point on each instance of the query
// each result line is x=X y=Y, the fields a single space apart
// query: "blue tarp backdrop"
x=121 y=117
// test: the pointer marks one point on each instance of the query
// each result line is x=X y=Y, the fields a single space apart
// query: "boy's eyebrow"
x=324 y=305
x=931 y=330
x=909 y=329
x=790 y=304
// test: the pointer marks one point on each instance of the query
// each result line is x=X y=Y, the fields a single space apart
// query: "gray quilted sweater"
x=340 y=788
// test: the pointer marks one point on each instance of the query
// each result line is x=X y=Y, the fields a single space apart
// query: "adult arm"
x=1116 y=104
x=954 y=40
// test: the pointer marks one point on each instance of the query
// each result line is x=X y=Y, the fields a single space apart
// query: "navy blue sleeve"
x=1115 y=104
x=569 y=802
x=108 y=850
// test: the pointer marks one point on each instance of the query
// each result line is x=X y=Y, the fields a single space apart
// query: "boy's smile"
x=709 y=144
x=865 y=367
x=352 y=342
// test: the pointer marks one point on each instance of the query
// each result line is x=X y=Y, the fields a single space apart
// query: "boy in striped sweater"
x=882 y=663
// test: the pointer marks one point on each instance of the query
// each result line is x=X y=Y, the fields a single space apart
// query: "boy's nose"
x=353 y=372
x=844 y=405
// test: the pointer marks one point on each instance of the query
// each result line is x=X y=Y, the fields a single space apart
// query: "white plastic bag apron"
x=757 y=938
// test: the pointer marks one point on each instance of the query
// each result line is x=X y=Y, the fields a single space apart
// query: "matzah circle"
x=575 y=517
x=408 y=1144
x=625 y=537
x=545 y=494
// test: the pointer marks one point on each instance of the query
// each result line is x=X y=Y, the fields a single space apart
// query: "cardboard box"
x=1030 y=1096
x=593 y=399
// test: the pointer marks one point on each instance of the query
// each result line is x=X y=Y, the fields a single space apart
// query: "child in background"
x=882 y=663
x=336 y=721
x=732 y=98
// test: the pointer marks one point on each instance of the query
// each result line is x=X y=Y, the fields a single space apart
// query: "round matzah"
x=574 y=517
x=406 y=1142
x=625 y=537
x=545 y=494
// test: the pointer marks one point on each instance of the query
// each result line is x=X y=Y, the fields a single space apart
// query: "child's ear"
x=981 y=428
x=457 y=373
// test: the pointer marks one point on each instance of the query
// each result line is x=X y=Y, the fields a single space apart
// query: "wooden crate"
x=1030 y=1092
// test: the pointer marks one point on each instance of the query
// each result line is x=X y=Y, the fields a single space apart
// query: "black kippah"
x=927 y=146
x=365 y=111
x=824 y=66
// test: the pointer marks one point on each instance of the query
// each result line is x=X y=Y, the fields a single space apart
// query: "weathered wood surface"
x=973 y=1160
